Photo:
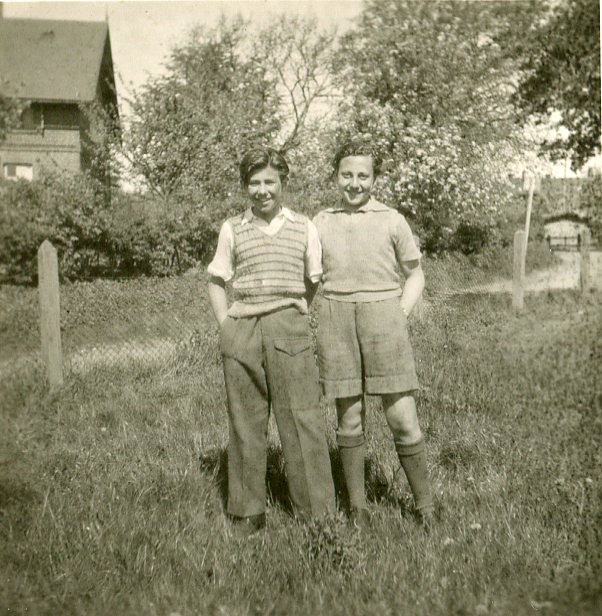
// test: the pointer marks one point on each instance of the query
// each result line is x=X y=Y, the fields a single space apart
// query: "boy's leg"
x=352 y=447
x=294 y=391
x=400 y=411
x=248 y=416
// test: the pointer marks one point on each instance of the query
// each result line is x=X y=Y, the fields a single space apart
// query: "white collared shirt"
x=222 y=265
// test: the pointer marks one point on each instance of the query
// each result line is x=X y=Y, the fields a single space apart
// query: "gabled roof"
x=49 y=60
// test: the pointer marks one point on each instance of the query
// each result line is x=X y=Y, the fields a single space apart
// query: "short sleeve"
x=222 y=265
x=403 y=241
x=313 y=254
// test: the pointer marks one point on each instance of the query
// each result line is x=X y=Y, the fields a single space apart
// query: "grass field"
x=112 y=489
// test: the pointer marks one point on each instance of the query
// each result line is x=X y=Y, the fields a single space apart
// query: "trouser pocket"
x=294 y=374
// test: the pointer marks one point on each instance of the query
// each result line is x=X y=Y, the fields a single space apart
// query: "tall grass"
x=112 y=489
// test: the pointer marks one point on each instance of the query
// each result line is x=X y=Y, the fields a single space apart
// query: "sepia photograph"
x=300 y=308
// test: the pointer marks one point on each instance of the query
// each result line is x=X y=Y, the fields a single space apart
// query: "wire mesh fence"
x=153 y=320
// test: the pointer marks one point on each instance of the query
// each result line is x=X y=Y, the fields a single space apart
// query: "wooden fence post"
x=50 y=313
x=585 y=279
x=518 y=271
x=418 y=310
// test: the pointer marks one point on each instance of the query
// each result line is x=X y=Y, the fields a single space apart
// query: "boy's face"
x=264 y=190
x=355 y=180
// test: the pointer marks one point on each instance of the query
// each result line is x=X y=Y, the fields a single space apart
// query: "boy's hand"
x=310 y=291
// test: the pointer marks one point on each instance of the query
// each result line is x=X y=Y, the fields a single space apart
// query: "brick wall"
x=50 y=148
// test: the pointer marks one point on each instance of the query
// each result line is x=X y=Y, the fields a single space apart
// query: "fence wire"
x=153 y=321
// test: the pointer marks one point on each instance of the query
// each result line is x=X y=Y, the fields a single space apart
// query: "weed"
x=332 y=545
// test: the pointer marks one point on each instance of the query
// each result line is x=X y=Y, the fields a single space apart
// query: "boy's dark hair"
x=260 y=158
x=358 y=147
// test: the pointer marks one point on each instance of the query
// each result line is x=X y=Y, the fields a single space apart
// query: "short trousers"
x=364 y=347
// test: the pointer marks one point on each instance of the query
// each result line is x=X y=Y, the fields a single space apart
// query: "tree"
x=11 y=109
x=190 y=125
x=296 y=55
x=223 y=90
x=562 y=74
x=431 y=83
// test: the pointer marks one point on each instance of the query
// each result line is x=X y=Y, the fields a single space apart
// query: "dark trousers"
x=269 y=362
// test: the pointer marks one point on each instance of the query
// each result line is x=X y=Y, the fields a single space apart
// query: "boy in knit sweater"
x=274 y=258
x=363 y=344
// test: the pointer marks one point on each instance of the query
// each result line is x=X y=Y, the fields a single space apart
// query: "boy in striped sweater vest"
x=274 y=258
x=363 y=343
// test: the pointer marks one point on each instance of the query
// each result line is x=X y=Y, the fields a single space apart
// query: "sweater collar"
x=372 y=206
x=284 y=212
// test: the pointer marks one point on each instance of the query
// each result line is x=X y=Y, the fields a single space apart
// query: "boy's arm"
x=414 y=285
x=217 y=297
x=221 y=269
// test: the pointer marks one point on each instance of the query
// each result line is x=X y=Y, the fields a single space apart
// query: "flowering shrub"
x=451 y=197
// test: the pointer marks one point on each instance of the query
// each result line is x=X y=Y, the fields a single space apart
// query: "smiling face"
x=355 y=179
x=264 y=189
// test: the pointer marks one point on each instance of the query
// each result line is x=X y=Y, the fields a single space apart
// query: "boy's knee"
x=400 y=411
x=350 y=424
x=404 y=436
x=349 y=412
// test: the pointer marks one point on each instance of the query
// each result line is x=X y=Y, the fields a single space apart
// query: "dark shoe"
x=359 y=519
x=425 y=519
x=245 y=527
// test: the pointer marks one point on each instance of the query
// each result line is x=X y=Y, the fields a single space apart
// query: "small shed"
x=563 y=232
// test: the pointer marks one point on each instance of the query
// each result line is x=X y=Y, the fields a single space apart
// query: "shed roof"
x=567 y=216
x=50 y=60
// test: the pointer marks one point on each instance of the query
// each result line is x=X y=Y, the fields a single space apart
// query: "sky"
x=142 y=33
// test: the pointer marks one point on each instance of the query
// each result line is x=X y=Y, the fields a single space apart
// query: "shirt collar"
x=372 y=206
x=248 y=216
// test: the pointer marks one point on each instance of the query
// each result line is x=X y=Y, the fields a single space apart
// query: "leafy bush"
x=68 y=210
x=590 y=200
x=129 y=236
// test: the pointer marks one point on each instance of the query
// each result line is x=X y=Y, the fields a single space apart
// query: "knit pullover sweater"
x=362 y=250
x=270 y=270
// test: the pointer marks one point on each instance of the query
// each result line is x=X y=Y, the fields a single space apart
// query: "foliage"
x=562 y=74
x=101 y=144
x=166 y=241
x=330 y=546
x=66 y=209
x=223 y=91
x=429 y=83
x=189 y=126
x=590 y=203
x=296 y=54
x=10 y=111
x=125 y=236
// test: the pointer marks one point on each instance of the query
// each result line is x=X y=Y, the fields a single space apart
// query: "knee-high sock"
x=413 y=461
x=352 y=450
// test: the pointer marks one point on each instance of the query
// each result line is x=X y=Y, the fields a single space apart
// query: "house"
x=59 y=68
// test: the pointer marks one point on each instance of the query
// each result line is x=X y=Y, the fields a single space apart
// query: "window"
x=18 y=171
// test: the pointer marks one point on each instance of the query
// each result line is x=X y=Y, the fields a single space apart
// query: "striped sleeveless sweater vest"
x=269 y=268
